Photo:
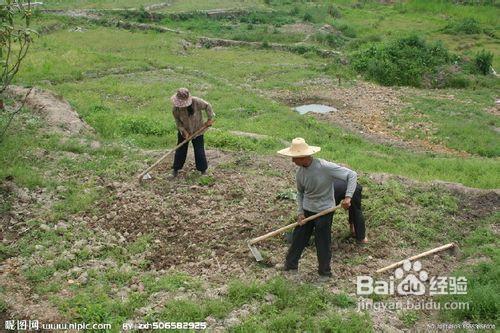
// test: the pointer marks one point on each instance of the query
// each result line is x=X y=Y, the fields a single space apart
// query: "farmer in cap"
x=315 y=193
x=188 y=118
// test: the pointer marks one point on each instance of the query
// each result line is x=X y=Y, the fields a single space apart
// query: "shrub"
x=358 y=42
x=307 y=17
x=330 y=39
x=468 y=26
x=334 y=12
x=447 y=76
x=295 y=11
x=459 y=81
x=483 y=61
x=274 y=18
x=142 y=15
x=346 y=30
x=403 y=61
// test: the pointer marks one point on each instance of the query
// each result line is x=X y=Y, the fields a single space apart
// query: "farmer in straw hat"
x=188 y=118
x=315 y=193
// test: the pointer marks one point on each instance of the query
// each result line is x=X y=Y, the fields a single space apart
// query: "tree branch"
x=13 y=114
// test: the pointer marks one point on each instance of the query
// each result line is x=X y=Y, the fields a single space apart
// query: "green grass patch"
x=94 y=305
x=140 y=245
x=409 y=317
x=301 y=307
x=483 y=287
x=461 y=123
x=97 y=4
x=170 y=282
x=482 y=295
x=193 y=311
x=37 y=274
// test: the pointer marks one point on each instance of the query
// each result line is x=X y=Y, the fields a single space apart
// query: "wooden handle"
x=275 y=232
x=418 y=256
x=155 y=164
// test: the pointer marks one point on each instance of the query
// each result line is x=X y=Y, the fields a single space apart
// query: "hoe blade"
x=255 y=252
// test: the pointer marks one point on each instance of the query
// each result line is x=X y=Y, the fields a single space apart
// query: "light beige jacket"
x=194 y=122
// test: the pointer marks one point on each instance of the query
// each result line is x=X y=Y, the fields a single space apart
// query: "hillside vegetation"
x=416 y=91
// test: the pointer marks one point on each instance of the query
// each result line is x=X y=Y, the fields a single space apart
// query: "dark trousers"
x=322 y=238
x=356 y=217
x=322 y=231
x=199 y=153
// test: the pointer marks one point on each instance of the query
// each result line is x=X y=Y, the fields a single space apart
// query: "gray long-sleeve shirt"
x=315 y=185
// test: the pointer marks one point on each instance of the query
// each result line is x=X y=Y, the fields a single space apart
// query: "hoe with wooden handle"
x=251 y=242
x=451 y=246
x=145 y=174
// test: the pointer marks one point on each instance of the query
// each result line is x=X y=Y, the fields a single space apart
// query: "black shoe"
x=175 y=173
x=204 y=172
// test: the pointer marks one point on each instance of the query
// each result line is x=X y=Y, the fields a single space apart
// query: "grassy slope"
x=129 y=111
x=359 y=27
x=97 y=4
x=119 y=107
x=177 y=5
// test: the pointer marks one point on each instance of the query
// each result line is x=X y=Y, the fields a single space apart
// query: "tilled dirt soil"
x=200 y=225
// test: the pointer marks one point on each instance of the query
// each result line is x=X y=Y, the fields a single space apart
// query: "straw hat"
x=182 y=98
x=299 y=148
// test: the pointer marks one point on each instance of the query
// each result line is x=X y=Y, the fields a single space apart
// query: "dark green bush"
x=459 y=81
x=334 y=12
x=446 y=76
x=346 y=30
x=468 y=26
x=330 y=39
x=402 y=62
x=295 y=11
x=307 y=17
x=274 y=18
x=141 y=15
x=356 y=43
x=483 y=61
x=301 y=49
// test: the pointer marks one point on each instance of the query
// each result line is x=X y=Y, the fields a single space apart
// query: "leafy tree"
x=15 y=40
x=15 y=37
